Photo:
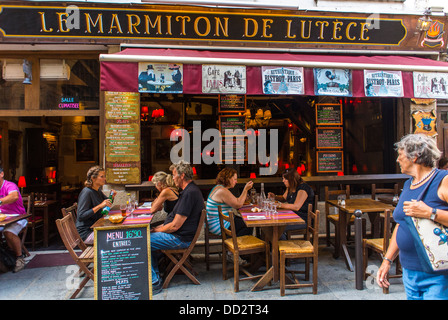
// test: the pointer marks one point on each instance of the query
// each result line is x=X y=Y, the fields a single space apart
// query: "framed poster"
x=223 y=79
x=333 y=82
x=84 y=150
x=282 y=80
x=160 y=77
x=383 y=83
x=430 y=85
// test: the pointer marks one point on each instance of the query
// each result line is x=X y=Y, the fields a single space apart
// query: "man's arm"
x=12 y=197
x=173 y=226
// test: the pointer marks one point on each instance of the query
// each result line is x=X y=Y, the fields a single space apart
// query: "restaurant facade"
x=132 y=86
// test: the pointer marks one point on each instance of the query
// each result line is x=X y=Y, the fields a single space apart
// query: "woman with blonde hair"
x=169 y=193
x=91 y=202
x=221 y=196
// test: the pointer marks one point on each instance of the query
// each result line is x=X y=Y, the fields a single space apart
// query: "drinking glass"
x=253 y=193
x=131 y=208
x=274 y=212
x=123 y=208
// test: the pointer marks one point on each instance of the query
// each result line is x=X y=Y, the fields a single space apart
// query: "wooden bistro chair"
x=179 y=257
x=72 y=240
x=73 y=210
x=34 y=222
x=207 y=237
x=334 y=218
x=28 y=205
x=243 y=245
x=380 y=246
x=290 y=233
x=307 y=248
x=376 y=190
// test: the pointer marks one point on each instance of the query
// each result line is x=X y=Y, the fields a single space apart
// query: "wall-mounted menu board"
x=122 y=263
x=328 y=114
x=232 y=103
x=238 y=145
x=329 y=137
x=330 y=161
x=122 y=136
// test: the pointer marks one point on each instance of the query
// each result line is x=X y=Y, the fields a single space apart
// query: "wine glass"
x=131 y=208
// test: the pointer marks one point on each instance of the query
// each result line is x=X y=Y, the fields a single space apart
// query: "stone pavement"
x=335 y=283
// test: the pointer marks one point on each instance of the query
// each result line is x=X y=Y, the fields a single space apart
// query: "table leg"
x=343 y=218
x=374 y=218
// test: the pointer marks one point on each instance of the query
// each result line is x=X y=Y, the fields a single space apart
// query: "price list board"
x=330 y=161
x=123 y=263
x=122 y=130
x=232 y=103
x=327 y=137
x=236 y=149
x=328 y=114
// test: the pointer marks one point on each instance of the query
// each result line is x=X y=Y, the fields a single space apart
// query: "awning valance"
x=119 y=71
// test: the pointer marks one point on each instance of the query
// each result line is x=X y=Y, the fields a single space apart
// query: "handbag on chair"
x=430 y=240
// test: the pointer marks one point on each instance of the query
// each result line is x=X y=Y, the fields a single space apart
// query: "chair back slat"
x=73 y=210
x=387 y=232
x=376 y=190
x=69 y=234
x=330 y=194
x=313 y=226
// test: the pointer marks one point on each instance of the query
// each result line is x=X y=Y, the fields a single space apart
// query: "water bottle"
x=106 y=209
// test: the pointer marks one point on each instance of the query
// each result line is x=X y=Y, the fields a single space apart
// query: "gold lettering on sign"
x=288 y=30
x=302 y=29
x=98 y=21
x=43 y=23
x=246 y=27
x=157 y=23
x=322 y=24
x=62 y=20
x=115 y=23
x=183 y=18
x=364 y=29
x=133 y=25
x=336 y=29
x=266 y=26
x=207 y=26
x=219 y=26
x=347 y=31
x=168 y=25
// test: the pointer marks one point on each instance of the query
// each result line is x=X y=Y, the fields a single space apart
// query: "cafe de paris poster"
x=223 y=79
x=160 y=77
x=332 y=82
x=282 y=80
x=430 y=85
x=379 y=83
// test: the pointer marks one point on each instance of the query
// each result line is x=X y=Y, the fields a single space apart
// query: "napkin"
x=259 y=217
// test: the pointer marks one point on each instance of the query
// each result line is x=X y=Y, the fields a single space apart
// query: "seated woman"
x=298 y=196
x=221 y=196
x=169 y=193
x=91 y=202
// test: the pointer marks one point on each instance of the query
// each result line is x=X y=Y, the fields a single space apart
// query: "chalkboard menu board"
x=122 y=136
x=328 y=114
x=330 y=161
x=232 y=103
x=238 y=143
x=123 y=263
x=329 y=137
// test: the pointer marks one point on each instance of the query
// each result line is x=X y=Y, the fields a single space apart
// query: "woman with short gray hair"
x=417 y=157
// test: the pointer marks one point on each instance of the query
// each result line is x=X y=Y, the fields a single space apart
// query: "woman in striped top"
x=221 y=196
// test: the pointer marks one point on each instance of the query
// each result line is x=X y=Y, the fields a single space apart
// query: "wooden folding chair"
x=292 y=249
x=207 y=237
x=34 y=222
x=242 y=245
x=71 y=238
x=73 y=210
x=179 y=257
x=28 y=204
x=376 y=190
x=380 y=246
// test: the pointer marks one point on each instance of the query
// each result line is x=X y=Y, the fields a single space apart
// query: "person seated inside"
x=168 y=194
x=180 y=225
x=297 y=197
x=91 y=201
x=221 y=196
x=11 y=203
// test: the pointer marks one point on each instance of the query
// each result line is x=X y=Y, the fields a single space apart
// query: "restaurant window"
x=69 y=84
x=12 y=89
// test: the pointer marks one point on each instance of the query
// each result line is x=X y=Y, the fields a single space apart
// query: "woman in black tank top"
x=169 y=193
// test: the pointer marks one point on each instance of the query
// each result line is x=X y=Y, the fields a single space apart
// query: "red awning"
x=119 y=72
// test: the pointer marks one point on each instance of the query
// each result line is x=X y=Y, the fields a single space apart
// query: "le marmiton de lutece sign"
x=175 y=24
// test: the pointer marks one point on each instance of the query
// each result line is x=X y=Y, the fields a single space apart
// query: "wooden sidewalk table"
x=43 y=206
x=11 y=218
x=273 y=229
x=367 y=205
x=141 y=216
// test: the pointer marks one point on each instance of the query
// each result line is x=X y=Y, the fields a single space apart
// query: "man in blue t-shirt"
x=181 y=224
